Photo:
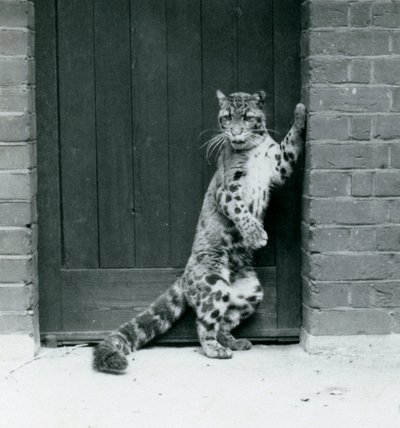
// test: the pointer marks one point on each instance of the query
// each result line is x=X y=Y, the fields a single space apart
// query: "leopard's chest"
x=258 y=179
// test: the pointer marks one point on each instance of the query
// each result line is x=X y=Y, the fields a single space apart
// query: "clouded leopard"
x=219 y=282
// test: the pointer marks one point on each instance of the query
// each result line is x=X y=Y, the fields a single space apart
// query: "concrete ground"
x=269 y=386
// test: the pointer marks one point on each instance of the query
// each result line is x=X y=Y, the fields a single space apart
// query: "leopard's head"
x=241 y=118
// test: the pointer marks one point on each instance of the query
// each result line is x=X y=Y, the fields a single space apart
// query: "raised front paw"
x=300 y=117
x=254 y=235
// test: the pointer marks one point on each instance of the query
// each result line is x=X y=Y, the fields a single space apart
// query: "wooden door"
x=124 y=91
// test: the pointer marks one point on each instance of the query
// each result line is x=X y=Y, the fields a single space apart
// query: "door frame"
x=286 y=64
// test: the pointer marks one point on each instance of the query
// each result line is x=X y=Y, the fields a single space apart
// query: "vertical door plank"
x=150 y=133
x=114 y=133
x=255 y=48
x=256 y=71
x=77 y=133
x=219 y=57
x=287 y=94
x=185 y=124
x=48 y=161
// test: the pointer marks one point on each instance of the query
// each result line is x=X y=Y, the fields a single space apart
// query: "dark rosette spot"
x=237 y=175
x=212 y=279
x=215 y=313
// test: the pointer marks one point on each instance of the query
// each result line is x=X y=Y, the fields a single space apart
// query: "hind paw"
x=219 y=352
x=240 y=345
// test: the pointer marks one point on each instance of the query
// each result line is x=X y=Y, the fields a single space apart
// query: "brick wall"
x=18 y=232
x=351 y=204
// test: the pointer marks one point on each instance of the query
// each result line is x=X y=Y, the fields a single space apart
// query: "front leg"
x=287 y=153
x=230 y=203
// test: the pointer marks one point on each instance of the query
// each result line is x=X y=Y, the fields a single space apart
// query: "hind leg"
x=246 y=294
x=210 y=298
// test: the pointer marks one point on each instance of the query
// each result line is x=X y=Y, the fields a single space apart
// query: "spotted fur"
x=219 y=282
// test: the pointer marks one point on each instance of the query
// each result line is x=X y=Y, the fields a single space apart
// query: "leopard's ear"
x=221 y=97
x=259 y=98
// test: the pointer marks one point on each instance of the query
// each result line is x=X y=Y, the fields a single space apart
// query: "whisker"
x=275 y=132
x=216 y=147
x=207 y=130
x=215 y=137
x=213 y=142
x=219 y=150
x=211 y=147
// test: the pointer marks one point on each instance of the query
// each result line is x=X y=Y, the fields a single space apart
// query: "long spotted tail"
x=109 y=355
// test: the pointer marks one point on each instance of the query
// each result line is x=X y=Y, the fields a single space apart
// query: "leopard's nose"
x=236 y=130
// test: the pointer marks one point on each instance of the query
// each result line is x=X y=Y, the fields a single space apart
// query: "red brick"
x=395 y=315
x=362 y=239
x=396 y=42
x=17 y=269
x=17 y=213
x=326 y=14
x=325 y=127
x=17 y=99
x=386 y=15
x=360 y=14
x=395 y=266
x=350 y=99
x=16 y=241
x=326 y=70
x=346 y=212
x=15 y=127
x=360 y=127
x=394 y=211
x=17 y=323
x=16 y=71
x=348 y=155
x=388 y=238
x=350 y=266
x=387 y=183
x=395 y=154
x=15 y=297
x=16 y=14
x=379 y=294
x=362 y=295
x=361 y=183
x=360 y=71
x=338 y=322
x=358 y=42
x=17 y=156
x=327 y=183
x=16 y=185
x=396 y=99
x=387 y=294
x=387 y=127
x=15 y=42
x=328 y=239
x=386 y=70
x=326 y=294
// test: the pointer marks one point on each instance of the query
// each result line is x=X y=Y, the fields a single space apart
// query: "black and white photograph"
x=199 y=213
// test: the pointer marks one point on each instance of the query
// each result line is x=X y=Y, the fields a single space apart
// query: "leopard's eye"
x=248 y=117
x=227 y=117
